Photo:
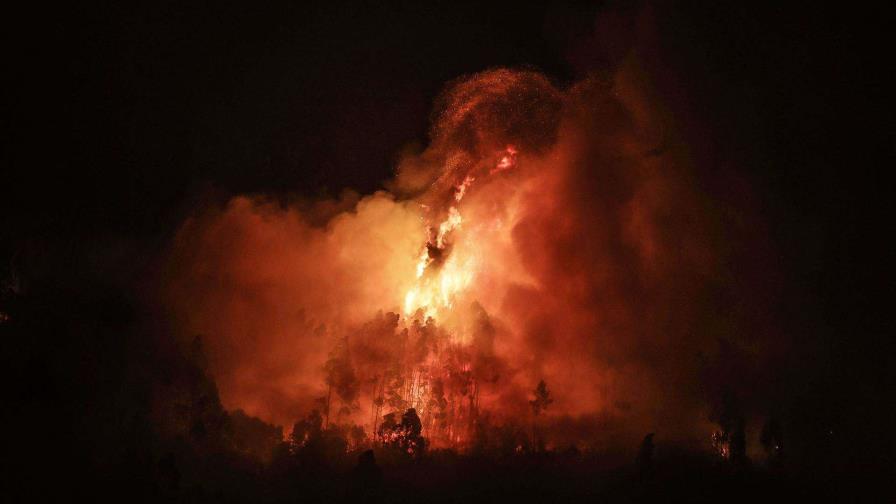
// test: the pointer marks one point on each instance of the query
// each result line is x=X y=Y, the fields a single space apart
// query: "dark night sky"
x=124 y=117
x=137 y=112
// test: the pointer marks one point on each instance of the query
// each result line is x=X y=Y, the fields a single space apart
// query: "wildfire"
x=441 y=275
x=465 y=283
x=436 y=293
x=507 y=161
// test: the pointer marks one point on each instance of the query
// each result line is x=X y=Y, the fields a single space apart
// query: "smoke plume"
x=551 y=233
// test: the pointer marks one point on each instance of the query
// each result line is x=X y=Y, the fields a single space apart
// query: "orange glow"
x=507 y=161
x=534 y=239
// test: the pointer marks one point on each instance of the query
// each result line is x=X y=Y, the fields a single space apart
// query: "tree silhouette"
x=340 y=377
x=542 y=398
x=541 y=401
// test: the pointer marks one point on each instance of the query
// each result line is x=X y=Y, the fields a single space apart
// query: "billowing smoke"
x=546 y=233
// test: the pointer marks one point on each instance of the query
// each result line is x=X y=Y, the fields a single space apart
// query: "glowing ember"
x=507 y=161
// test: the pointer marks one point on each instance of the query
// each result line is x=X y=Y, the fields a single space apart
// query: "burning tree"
x=307 y=429
x=410 y=364
x=405 y=435
x=340 y=376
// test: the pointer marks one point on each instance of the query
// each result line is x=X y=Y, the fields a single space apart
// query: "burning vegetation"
x=541 y=275
x=644 y=268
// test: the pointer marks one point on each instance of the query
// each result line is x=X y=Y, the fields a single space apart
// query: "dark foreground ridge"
x=166 y=437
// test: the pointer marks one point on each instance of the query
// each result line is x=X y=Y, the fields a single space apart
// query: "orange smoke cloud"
x=551 y=232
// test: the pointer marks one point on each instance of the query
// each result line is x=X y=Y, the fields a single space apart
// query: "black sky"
x=123 y=115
